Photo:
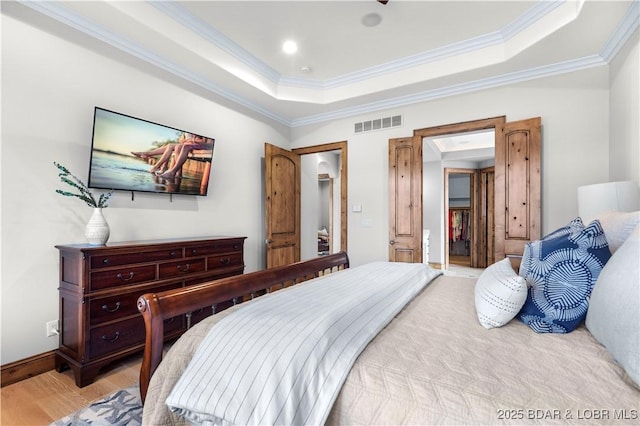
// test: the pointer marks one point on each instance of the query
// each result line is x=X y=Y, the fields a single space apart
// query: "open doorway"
x=459 y=196
x=455 y=204
x=323 y=195
x=284 y=236
x=512 y=218
x=320 y=216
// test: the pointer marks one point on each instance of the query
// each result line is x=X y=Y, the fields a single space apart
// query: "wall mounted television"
x=132 y=154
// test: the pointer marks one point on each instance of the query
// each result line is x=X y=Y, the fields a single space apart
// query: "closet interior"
x=459 y=234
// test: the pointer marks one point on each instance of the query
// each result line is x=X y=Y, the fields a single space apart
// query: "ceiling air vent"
x=377 y=124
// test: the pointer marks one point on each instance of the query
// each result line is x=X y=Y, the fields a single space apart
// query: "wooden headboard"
x=157 y=307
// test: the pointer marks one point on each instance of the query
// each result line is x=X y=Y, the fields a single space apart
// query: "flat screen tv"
x=132 y=154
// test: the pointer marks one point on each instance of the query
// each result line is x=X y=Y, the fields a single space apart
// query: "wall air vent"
x=377 y=124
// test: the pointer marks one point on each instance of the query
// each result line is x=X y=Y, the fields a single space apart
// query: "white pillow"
x=617 y=226
x=614 y=309
x=499 y=294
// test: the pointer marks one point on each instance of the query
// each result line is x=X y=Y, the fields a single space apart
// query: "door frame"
x=494 y=123
x=342 y=147
x=486 y=215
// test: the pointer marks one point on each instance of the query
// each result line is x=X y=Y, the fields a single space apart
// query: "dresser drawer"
x=212 y=248
x=181 y=268
x=106 y=260
x=116 y=336
x=107 y=309
x=223 y=261
x=121 y=335
x=122 y=276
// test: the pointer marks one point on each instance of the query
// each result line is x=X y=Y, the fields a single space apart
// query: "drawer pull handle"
x=106 y=261
x=172 y=253
x=106 y=308
x=111 y=339
x=183 y=268
x=131 y=274
x=225 y=260
x=194 y=251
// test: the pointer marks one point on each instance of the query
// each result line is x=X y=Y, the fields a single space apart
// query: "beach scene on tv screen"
x=136 y=155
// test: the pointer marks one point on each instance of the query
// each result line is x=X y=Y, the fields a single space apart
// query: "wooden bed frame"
x=158 y=307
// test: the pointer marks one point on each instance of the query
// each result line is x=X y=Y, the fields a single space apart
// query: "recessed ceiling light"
x=289 y=47
x=371 y=19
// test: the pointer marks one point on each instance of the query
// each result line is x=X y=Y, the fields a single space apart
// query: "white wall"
x=433 y=208
x=49 y=90
x=575 y=148
x=625 y=110
x=460 y=187
x=336 y=214
x=309 y=196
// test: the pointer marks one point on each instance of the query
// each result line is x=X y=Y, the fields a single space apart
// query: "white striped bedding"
x=283 y=359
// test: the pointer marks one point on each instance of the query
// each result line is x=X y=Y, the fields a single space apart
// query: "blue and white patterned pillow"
x=574 y=226
x=561 y=270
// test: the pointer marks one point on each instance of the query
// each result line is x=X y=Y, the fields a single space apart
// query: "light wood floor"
x=50 y=396
x=460 y=260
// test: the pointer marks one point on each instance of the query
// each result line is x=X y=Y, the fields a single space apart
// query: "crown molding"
x=525 y=21
x=630 y=23
x=182 y=16
x=458 y=89
x=537 y=22
x=622 y=33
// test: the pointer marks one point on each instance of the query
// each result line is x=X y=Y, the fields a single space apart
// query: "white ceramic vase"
x=97 y=231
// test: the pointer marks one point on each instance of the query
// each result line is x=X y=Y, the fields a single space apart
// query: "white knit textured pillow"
x=500 y=293
x=618 y=226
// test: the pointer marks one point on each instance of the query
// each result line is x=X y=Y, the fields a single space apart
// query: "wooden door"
x=282 y=198
x=485 y=240
x=405 y=199
x=517 y=187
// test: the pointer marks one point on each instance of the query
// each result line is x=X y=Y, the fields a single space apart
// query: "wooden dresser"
x=100 y=286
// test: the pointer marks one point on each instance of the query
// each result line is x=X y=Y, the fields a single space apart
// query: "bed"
x=434 y=362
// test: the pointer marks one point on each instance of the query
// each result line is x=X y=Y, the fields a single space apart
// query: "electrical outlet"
x=52 y=328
